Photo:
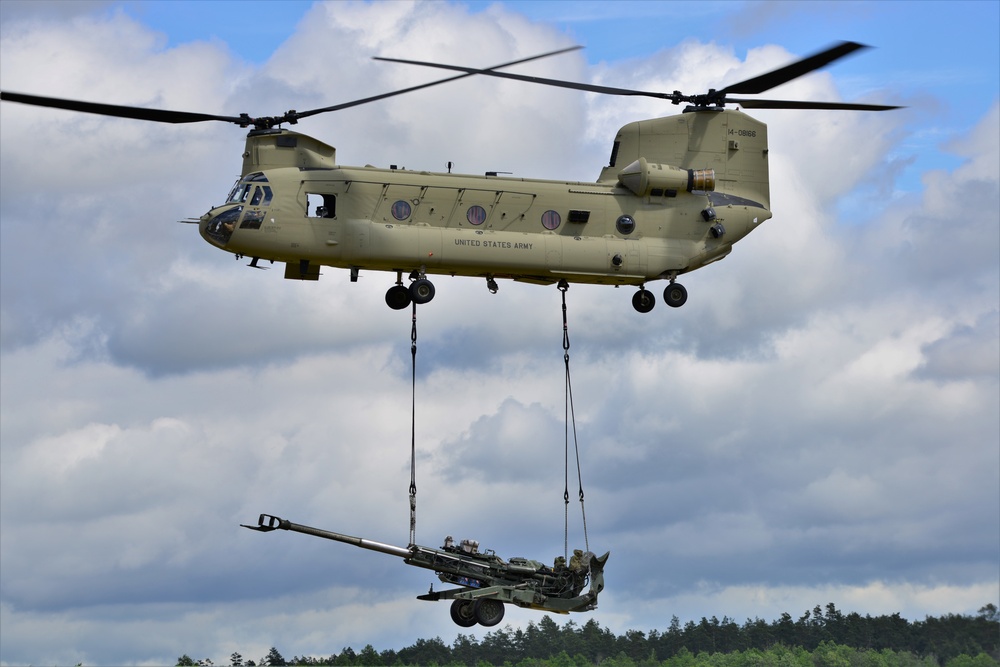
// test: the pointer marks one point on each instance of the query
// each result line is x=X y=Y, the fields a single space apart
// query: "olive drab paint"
x=676 y=181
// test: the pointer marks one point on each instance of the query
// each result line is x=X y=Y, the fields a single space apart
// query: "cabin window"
x=551 y=220
x=579 y=216
x=476 y=215
x=321 y=205
x=625 y=225
x=401 y=210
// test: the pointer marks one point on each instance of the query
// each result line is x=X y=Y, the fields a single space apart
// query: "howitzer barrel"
x=266 y=523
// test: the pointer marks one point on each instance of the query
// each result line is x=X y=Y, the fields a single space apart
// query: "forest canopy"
x=821 y=637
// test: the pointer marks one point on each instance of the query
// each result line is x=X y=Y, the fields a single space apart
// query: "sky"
x=817 y=424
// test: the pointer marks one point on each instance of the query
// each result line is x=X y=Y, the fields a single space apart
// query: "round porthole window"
x=401 y=210
x=625 y=225
x=476 y=215
x=551 y=220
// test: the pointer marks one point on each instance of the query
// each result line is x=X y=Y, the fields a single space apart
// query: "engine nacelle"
x=645 y=178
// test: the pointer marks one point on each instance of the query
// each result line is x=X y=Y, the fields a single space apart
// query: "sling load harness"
x=570 y=418
x=570 y=423
x=413 y=429
x=485 y=582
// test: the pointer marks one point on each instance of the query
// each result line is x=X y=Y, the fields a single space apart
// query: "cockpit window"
x=261 y=196
x=243 y=187
x=239 y=193
x=221 y=227
x=232 y=193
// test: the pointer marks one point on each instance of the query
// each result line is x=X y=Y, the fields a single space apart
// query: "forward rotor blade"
x=165 y=116
x=118 y=111
x=591 y=88
x=775 y=78
x=795 y=104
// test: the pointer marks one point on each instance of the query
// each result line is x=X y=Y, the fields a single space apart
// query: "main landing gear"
x=643 y=300
x=675 y=295
x=420 y=291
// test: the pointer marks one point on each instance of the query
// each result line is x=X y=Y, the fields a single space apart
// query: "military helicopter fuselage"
x=676 y=195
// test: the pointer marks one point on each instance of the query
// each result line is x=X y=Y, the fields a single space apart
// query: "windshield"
x=243 y=187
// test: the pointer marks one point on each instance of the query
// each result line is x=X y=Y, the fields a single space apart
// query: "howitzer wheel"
x=463 y=612
x=489 y=612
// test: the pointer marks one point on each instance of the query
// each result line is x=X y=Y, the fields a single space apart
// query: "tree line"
x=822 y=637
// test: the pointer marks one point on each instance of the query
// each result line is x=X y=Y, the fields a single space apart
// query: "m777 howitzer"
x=487 y=582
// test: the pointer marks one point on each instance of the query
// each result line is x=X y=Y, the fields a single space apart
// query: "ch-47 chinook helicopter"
x=676 y=194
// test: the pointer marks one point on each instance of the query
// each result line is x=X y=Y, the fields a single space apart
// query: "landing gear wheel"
x=463 y=612
x=397 y=297
x=643 y=301
x=488 y=612
x=675 y=295
x=421 y=290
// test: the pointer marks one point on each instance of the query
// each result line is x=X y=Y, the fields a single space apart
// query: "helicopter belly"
x=453 y=250
x=667 y=256
x=480 y=252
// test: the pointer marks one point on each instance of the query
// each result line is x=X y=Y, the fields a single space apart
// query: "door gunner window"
x=321 y=205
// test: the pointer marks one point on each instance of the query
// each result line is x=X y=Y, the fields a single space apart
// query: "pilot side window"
x=321 y=205
x=261 y=196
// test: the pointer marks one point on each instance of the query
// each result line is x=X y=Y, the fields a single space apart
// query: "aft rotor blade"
x=374 y=98
x=796 y=104
x=591 y=88
x=118 y=111
x=775 y=78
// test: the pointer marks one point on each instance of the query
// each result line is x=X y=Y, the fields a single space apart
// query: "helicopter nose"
x=217 y=225
x=203 y=226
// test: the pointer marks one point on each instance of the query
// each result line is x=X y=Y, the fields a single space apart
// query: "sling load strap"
x=570 y=418
x=413 y=430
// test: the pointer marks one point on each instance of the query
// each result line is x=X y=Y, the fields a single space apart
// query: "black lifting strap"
x=413 y=430
x=571 y=419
